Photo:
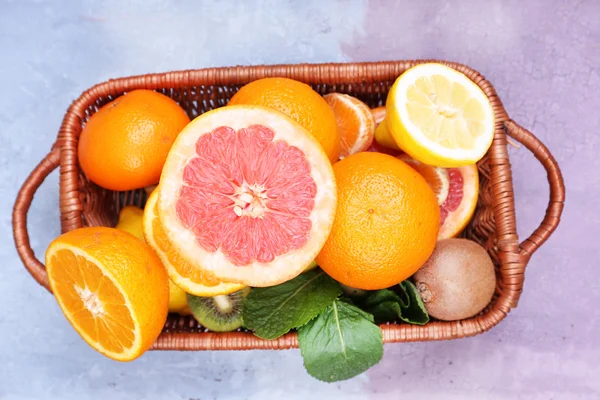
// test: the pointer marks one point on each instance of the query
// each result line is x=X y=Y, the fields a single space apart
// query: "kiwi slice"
x=221 y=313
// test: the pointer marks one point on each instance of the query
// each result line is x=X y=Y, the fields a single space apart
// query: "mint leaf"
x=387 y=305
x=340 y=343
x=414 y=312
x=273 y=311
x=384 y=305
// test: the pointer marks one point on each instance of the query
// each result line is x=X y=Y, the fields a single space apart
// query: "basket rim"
x=512 y=256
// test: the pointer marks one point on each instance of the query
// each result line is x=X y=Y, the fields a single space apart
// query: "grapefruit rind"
x=456 y=220
x=463 y=214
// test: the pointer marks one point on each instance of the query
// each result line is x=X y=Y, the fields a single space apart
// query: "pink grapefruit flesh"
x=248 y=194
x=457 y=190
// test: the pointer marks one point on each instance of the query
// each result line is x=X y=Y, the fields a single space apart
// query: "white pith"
x=442 y=175
x=90 y=300
x=467 y=204
x=249 y=200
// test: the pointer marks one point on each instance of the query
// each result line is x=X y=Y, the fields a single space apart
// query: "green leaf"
x=273 y=311
x=414 y=312
x=340 y=343
x=386 y=305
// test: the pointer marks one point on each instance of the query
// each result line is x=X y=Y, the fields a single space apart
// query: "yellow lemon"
x=439 y=116
x=177 y=300
x=384 y=137
x=130 y=220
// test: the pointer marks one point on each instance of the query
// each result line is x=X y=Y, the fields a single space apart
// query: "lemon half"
x=439 y=116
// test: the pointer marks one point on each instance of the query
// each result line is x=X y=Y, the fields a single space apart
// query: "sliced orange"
x=189 y=277
x=111 y=287
x=356 y=124
x=247 y=194
x=456 y=189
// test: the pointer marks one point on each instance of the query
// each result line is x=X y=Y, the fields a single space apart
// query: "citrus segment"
x=356 y=124
x=248 y=194
x=457 y=190
x=439 y=116
x=90 y=297
x=111 y=287
x=187 y=276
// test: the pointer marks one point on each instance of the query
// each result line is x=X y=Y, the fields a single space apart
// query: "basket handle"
x=20 y=210
x=555 y=179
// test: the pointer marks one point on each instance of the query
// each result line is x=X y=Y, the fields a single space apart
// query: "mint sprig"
x=340 y=343
x=274 y=311
x=338 y=340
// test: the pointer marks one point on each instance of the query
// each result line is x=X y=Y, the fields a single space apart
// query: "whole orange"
x=299 y=102
x=124 y=145
x=386 y=223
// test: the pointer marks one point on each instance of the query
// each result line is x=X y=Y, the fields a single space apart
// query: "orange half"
x=111 y=287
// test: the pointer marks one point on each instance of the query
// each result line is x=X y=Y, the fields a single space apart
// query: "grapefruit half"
x=248 y=194
x=457 y=190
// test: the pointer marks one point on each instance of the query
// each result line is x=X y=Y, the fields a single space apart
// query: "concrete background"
x=542 y=56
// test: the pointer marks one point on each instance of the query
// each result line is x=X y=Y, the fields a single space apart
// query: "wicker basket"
x=494 y=226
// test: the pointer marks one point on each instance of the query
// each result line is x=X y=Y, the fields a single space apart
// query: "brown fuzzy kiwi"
x=458 y=280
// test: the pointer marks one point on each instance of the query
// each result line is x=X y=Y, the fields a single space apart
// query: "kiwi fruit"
x=221 y=313
x=458 y=280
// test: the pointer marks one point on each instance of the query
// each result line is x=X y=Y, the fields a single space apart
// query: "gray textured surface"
x=543 y=58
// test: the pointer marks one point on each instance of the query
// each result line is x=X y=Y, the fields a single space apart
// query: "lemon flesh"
x=439 y=116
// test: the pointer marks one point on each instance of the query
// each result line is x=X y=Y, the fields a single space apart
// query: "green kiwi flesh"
x=219 y=313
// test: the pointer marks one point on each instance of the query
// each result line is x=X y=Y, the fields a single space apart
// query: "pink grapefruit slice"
x=457 y=190
x=248 y=194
